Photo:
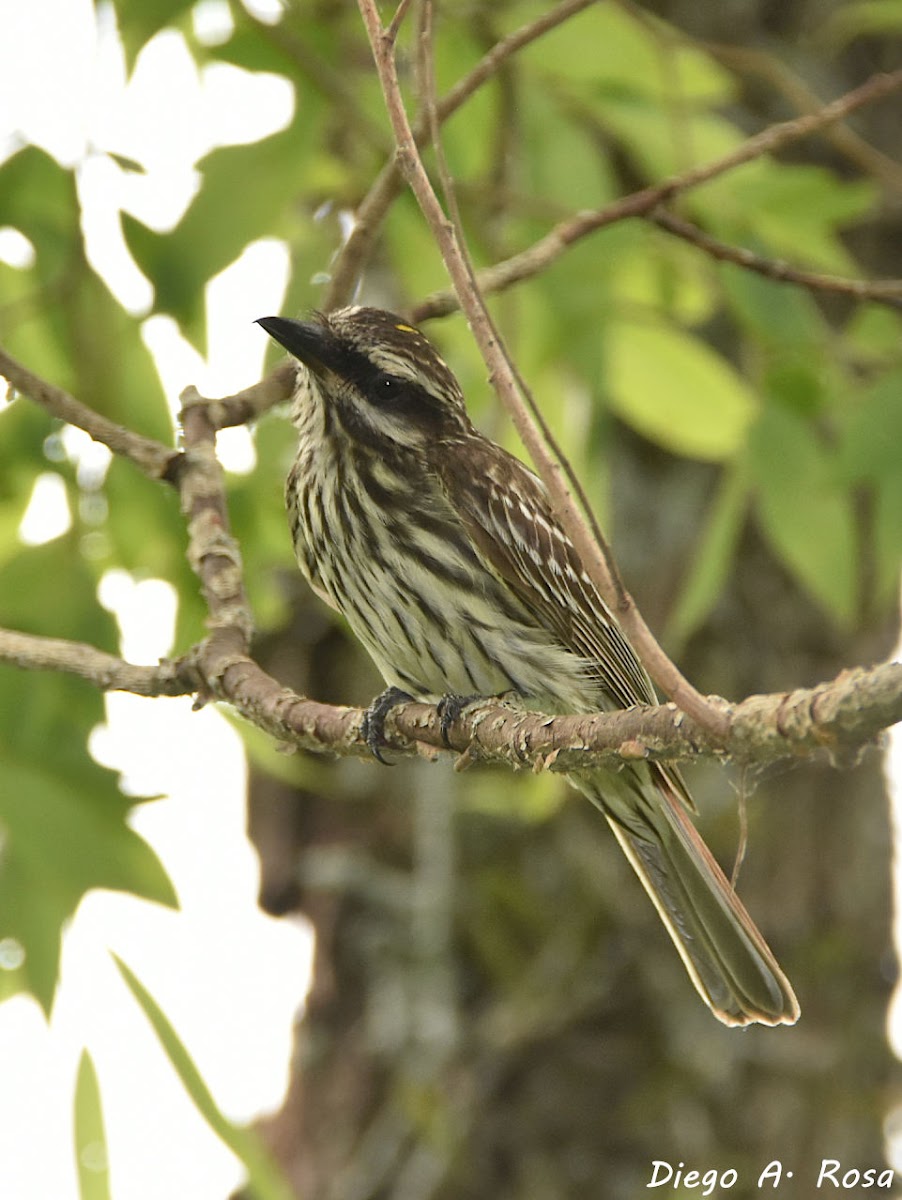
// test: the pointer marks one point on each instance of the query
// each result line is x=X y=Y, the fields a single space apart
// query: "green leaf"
x=874 y=334
x=39 y=198
x=796 y=212
x=49 y=589
x=29 y=331
x=862 y=18
x=805 y=514
x=868 y=460
x=673 y=389
x=266 y=1181
x=251 y=52
x=131 y=165
x=144 y=525
x=605 y=47
x=872 y=441
x=412 y=249
x=571 y=309
x=76 y=334
x=797 y=381
x=647 y=132
x=91 y=1157
x=63 y=834
x=123 y=385
x=139 y=22
x=662 y=274
x=562 y=164
x=713 y=557
x=888 y=539
x=64 y=821
x=777 y=314
x=23 y=428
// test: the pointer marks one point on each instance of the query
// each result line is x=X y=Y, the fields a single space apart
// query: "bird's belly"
x=430 y=638
x=432 y=617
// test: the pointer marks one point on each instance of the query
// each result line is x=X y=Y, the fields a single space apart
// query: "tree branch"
x=251 y=402
x=839 y=717
x=153 y=458
x=105 y=671
x=389 y=182
x=778 y=76
x=541 y=254
x=882 y=291
x=213 y=553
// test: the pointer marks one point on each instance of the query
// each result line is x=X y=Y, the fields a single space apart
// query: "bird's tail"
x=727 y=959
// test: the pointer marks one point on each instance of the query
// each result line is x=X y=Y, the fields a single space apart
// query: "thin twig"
x=388 y=183
x=397 y=21
x=541 y=254
x=151 y=456
x=505 y=48
x=659 y=666
x=105 y=671
x=884 y=291
x=778 y=75
x=252 y=402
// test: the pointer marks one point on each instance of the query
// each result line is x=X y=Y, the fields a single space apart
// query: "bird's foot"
x=373 y=727
x=449 y=709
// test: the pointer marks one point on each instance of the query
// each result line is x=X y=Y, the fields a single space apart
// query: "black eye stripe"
x=393 y=395
x=401 y=395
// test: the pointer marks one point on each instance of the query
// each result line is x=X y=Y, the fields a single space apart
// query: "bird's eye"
x=387 y=388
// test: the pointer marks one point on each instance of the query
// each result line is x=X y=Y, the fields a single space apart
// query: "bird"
x=444 y=554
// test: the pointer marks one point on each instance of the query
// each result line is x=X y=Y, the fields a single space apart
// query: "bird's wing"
x=505 y=510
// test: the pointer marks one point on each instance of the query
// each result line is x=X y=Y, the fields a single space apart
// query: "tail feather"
x=726 y=956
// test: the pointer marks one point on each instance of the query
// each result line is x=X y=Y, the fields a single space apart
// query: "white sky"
x=63 y=87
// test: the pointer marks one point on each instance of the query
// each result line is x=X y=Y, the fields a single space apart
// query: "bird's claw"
x=449 y=709
x=373 y=727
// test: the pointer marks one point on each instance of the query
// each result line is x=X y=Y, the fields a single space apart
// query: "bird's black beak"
x=306 y=340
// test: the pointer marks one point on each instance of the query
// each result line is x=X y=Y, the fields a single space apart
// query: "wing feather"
x=506 y=511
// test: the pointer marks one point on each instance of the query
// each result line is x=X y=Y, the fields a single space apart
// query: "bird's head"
x=378 y=378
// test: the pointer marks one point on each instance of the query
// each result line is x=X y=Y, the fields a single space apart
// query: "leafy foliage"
x=63 y=817
x=90 y=1135
x=782 y=404
x=793 y=405
x=264 y=1179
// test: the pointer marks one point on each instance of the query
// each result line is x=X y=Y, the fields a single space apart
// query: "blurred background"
x=492 y=1006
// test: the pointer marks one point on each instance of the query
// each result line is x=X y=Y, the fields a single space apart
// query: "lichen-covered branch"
x=213 y=553
x=106 y=672
x=839 y=717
